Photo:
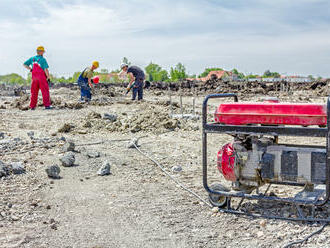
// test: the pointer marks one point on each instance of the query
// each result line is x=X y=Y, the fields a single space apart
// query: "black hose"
x=305 y=239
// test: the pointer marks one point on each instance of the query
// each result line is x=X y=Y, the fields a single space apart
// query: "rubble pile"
x=250 y=87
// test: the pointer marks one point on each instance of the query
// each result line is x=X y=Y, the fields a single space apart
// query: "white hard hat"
x=123 y=65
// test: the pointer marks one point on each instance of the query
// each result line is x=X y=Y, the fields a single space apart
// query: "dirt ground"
x=137 y=205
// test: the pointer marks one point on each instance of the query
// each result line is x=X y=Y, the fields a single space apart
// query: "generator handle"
x=327 y=160
x=204 y=134
x=227 y=95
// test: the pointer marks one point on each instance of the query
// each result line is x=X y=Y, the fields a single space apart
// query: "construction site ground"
x=137 y=205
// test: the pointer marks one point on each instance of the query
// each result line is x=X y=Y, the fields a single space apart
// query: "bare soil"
x=137 y=205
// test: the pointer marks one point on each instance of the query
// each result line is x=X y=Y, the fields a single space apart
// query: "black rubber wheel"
x=218 y=200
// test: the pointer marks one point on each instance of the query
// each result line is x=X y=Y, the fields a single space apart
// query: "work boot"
x=33 y=108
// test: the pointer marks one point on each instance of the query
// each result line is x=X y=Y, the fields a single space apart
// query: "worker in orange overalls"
x=38 y=66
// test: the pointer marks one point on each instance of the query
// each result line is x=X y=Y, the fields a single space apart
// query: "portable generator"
x=255 y=157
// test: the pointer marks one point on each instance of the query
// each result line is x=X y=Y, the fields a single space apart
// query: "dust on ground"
x=136 y=205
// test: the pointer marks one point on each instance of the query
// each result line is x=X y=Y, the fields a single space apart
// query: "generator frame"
x=217 y=128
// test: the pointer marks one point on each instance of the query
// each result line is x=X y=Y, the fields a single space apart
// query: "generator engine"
x=251 y=161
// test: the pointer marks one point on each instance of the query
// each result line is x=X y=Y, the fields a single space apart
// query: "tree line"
x=154 y=73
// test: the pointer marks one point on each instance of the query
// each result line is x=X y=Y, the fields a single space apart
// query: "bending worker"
x=85 y=82
x=38 y=66
x=136 y=78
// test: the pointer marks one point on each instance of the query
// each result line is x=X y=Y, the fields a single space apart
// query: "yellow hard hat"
x=95 y=64
x=40 y=48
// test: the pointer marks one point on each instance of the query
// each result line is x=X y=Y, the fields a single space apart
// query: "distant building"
x=228 y=75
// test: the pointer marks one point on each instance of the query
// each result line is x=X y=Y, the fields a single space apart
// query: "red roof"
x=218 y=74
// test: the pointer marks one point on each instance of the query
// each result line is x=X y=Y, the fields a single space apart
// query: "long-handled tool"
x=129 y=88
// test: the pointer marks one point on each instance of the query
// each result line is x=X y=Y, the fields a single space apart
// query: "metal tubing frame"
x=263 y=130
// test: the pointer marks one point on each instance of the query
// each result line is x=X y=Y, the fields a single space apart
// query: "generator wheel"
x=218 y=200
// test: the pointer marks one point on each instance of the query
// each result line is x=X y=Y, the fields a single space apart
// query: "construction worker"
x=136 y=78
x=85 y=82
x=38 y=66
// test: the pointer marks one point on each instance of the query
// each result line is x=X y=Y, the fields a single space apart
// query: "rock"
x=17 y=168
x=105 y=169
x=69 y=146
x=67 y=127
x=87 y=124
x=176 y=168
x=260 y=234
x=110 y=117
x=30 y=134
x=14 y=218
x=94 y=115
x=263 y=223
x=93 y=154
x=68 y=159
x=215 y=210
x=2 y=135
x=133 y=143
x=53 y=171
x=4 y=170
x=53 y=226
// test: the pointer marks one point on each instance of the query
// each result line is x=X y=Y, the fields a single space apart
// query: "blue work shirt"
x=37 y=59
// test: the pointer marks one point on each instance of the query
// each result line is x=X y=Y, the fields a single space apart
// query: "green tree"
x=268 y=73
x=208 y=70
x=126 y=61
x=239 y=74
x=13 y=78
x=178 y=72
x=156 y=73
x=311 y=77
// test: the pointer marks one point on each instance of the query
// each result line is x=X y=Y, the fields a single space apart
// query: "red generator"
x=255 y=158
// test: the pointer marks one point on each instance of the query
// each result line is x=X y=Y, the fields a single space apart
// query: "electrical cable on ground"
x=305 y=239
x=172 y=178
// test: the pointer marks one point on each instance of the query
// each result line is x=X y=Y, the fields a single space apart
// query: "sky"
x=288 y=36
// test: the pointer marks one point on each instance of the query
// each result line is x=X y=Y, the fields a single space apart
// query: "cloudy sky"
x=288 y=36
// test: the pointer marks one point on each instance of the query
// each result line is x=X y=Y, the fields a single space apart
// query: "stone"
x=4 y=170
x=68 y=159
x=53 y=171
x=105 y=169
x=87 y=124
x=53 y=226
x=260 y=234
x=110 y=117
x=17 y=168
x=94 y=115
x=133 y=143
x=14 y=218
x=30 y=134
x=176 y=168
x=93 y=154
x=66 y=128
x=215 y=210
x=2 y=135
x=69 y=146
x=263 y=223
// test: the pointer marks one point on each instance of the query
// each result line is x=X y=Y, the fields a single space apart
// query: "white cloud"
x=196 y=33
